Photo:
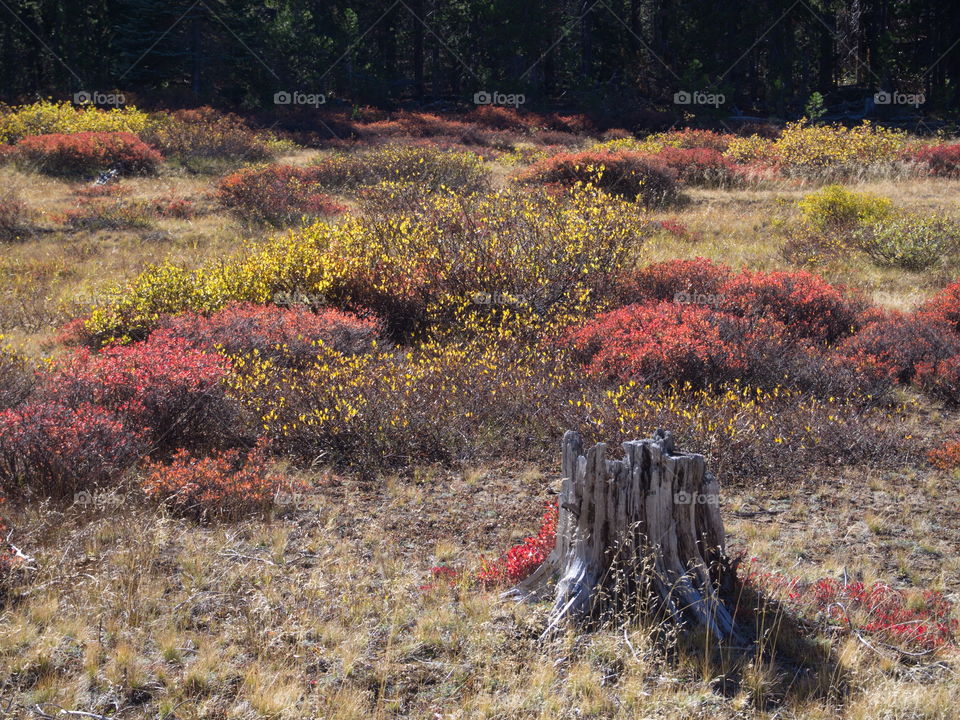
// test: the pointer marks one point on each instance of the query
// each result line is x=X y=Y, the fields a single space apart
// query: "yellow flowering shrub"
x=490 y=395
x=750 y=149
x=508 y=256
x=802 y=145
x=45 y=117
x=834 y=207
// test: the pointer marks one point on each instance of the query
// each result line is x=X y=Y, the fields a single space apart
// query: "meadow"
x=280 y=414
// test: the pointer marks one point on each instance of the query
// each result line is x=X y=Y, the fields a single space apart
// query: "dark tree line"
x=762 y=57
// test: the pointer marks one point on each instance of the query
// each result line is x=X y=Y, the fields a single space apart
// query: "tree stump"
x=642 y=534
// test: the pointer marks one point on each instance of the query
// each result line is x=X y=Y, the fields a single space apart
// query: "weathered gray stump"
x=638 y=535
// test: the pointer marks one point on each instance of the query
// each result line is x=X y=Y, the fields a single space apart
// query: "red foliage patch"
x=899 y=342
x=944 y=307
x=940 y=160
x=668 y=280
x=88 y=152
x=521 y=560
x=162 y=387
x=48 y=449
x=276 y=194
x=244 y=327
x=663 y=342
x=805 y=303
x=945 y=457
x=699 y=165
x=918 y=622
x=224 y=485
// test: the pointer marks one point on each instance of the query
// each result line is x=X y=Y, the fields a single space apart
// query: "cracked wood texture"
x=637 y=535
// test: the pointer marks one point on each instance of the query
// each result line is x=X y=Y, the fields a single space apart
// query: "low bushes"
x=911 y=242
x=807 y=305
x=632 y=175
x=15 y=216
x=222 y=486
x=163 y=386
x=51 y=449
x=663 y=342
x=205 y=133
x=674 y=280
x=699 y=166
x=938 y=160
x=87 y=153
x=450 y=261
x=431 y=169
x=48 y=118
x=836 y=208
x=116 y=214
x=289 y=334
x=276 y=194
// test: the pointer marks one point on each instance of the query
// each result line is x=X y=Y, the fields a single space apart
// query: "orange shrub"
x=87 y=153
x=224 y=485
x=945 y=457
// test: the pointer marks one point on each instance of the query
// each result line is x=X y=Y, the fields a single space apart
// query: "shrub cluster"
x=836 y=208
x=288 y=334
x=204 y=133
x=276 y=194
x=49 y=118
x=15 y=216
x=87 y=153
x=430 y=168
x=635 y=176
x=450 y=260
x=938 y=160
x=223 y=486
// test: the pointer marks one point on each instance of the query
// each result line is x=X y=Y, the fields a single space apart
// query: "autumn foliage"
x=87 y=153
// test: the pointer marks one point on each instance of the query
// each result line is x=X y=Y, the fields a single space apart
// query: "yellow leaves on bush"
x=835 y=207
x=46 y=117
x=508 y=257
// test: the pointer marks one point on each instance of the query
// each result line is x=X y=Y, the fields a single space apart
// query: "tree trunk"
x=639 y=534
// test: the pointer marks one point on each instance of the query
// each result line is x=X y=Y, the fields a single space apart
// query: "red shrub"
x=673 y=278
x=940 y=379
x=899 y=342
x=48 y=449
x=241 y=328
x=940 y=160
x=663 y=342
x=700 y=166
x=161 y=386
x=87 y=153
x=224 y=485
x=277 y=194
x=521 y=560
x=630 y=174
x=805 y=303
x=944 y=307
